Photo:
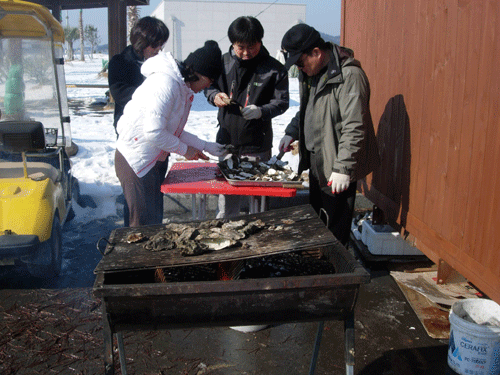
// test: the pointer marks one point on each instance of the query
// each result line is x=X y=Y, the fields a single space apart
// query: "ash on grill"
x=243 y=168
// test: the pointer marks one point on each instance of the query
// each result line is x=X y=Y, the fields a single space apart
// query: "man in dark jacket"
x=147 y=37
x=252 y=89
x=334 y=126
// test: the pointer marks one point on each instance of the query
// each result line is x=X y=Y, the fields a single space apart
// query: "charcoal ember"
x=285 y=265
x=191 y=273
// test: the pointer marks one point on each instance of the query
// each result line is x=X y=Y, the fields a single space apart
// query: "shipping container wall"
x=433 y=67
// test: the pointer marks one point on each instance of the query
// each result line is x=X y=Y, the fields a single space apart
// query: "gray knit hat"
x=206 y=60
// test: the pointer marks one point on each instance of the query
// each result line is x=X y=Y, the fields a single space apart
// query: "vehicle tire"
x=54 y=247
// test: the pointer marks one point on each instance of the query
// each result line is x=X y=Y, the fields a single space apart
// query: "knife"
x=280 y=155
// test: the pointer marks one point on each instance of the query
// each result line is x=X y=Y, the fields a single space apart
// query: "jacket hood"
x=164 y=62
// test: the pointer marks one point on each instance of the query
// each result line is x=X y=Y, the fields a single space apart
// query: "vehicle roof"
x=24 y=19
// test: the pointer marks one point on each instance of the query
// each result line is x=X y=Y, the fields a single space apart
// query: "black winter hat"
x=206 y=60
x=297 y=40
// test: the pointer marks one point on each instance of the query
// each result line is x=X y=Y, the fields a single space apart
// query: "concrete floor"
x=47 y=331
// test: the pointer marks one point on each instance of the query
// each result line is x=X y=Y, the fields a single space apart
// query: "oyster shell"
x=236 y=168
x=135 y=237
x=206 y=236
x=218 y=243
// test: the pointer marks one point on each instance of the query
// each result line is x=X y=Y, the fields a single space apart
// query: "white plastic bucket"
x=474 y=346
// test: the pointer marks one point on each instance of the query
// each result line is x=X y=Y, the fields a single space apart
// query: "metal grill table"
x=272 y=300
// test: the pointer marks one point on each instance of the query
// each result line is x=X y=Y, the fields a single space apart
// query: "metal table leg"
x=121 y=352
x=317 y=343
x=349 y=344
x=202 y=211
x=109 y=365
x=193 y=206
x=199 y=210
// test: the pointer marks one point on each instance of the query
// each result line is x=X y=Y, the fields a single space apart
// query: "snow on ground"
x=93 y=132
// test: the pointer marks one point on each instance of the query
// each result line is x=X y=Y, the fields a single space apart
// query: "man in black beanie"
x=334 y=126
x=252 y=89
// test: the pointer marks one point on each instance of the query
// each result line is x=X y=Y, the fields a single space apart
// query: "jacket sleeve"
x=293 y=127
x=211 y=92
x=160 y=106
x=353 y=100
x=281 y=98
x=121 y=85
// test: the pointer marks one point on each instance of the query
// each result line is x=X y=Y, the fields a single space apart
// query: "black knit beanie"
x=206 y=60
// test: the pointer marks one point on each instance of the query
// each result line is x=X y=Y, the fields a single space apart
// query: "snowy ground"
x=93 y=132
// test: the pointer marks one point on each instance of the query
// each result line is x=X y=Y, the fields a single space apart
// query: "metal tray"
x=284 y=184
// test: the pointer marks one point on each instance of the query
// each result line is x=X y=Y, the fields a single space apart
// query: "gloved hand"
x=215 y=149
x=339 y=182
x=285 y=143
x=251 y=112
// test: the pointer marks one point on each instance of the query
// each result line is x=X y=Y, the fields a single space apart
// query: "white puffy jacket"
x=152 y=124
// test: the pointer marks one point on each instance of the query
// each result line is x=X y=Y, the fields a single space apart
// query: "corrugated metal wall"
x=434 y=69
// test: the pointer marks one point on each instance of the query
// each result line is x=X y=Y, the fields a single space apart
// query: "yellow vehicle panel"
x=28 y=206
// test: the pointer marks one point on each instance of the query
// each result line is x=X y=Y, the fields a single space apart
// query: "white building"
x=193 y=22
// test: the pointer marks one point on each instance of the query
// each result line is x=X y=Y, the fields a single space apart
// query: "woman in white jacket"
x=152 y=126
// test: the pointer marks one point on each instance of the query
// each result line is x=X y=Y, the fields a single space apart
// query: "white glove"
x=339 y=182
x=215 y=149
x=251 y=112
x=285 y=143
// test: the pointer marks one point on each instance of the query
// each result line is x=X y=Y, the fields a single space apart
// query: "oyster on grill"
x=206 y=236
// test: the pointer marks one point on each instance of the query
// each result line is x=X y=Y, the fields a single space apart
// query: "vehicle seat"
x=37 y=171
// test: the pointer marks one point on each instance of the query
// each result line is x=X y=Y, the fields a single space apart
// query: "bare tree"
x=80 y=28
x=133 y=17
x=70 y=34
x=92 y=37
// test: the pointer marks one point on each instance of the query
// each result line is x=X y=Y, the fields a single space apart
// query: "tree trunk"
x=82 y=47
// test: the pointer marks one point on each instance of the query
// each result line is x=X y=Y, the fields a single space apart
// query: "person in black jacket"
x=252 y=89
x=147 y=37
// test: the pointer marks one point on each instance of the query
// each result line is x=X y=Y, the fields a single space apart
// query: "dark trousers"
x=143 y=197
x=335 y=210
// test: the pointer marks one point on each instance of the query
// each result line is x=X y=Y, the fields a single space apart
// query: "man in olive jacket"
x=334 y=127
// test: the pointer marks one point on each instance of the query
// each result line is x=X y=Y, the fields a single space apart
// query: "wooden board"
x=433 y=317
x=306 y=232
